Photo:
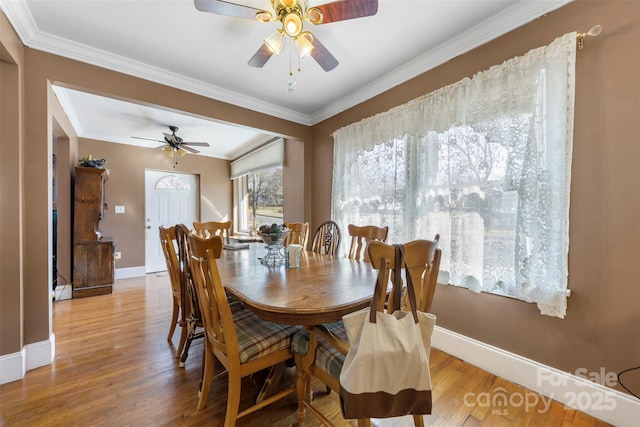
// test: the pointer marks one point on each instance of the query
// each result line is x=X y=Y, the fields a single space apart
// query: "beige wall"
x=126 y=187
x=602 y=327
x=11 y=212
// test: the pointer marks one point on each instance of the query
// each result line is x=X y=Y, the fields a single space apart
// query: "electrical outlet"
x=117 y=255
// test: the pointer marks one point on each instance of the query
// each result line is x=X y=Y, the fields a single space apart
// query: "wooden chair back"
x=326 y=239
x=189 y=299
x=326 y=345
x=360 y=238
x=214 y=228
x=168 y=243
x=422 y=263
x=298 y=233
x=240 y=340
x=214 y=307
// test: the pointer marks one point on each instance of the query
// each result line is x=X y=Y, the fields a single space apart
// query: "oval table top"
x=322 y=290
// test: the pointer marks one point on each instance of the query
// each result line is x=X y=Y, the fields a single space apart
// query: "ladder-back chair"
x=191 y=316
x=360 y=238
x=321 y=350
x=168 y=243
x=238 y=339
x=214 y=228
x=298 y=234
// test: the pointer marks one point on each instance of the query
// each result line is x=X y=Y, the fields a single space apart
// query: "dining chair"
x=326 y=239
x=212 y=228
x=298 y=233
x=320 y=350
x=239 y=339
x=168 y=243
x=360 y=238
x=191 y=317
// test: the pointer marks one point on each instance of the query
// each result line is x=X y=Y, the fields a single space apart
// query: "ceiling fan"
x=173 y=145
x=291 y=14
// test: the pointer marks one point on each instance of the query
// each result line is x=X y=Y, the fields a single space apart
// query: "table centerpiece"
x=273 y=237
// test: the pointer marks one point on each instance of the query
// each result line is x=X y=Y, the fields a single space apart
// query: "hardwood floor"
x=114 y=367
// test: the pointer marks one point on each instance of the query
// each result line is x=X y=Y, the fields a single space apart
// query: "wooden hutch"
x=93 y=262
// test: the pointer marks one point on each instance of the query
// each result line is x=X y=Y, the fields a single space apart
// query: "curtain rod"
x=594 y=31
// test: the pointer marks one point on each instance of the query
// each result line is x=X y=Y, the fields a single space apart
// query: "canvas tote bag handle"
x=381 y=286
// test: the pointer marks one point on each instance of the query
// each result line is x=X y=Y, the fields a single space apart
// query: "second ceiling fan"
x=292 y=14
x=175 y=146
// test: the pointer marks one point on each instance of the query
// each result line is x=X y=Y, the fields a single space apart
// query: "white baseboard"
x=14 y=366
x=575 y=391
x=128 y=272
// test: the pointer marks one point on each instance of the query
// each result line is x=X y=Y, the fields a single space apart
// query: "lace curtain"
x=485 y=163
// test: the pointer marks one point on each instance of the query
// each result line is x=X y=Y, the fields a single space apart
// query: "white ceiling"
x=170 y=42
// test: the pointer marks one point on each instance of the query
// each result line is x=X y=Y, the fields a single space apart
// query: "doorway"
x=170 y=198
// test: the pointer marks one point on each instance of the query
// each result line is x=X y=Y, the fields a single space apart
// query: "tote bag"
x=386 y=371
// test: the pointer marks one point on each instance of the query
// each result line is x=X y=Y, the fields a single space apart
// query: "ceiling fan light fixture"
x=314 y=15
x=304 y=45
x=292 y=24
x=181 y=152
x=274 y=42
x=289 y=3
x=264 y=16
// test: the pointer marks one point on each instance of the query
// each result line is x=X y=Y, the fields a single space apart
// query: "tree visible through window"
x=266 y=198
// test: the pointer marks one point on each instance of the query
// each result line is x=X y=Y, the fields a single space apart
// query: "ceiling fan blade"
x=226 y=8
x=197 y=144
x=261 y=56
x=148 y=139
x=189 y=149
x=347 y=9
x=322 y=55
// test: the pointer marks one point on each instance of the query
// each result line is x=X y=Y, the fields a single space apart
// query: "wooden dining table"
x=322 y=290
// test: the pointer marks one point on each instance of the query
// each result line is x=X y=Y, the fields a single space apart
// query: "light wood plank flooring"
x=114 y=367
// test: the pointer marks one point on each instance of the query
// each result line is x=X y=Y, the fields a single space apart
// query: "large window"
x=265 y=197
x=484 y=163
x=259 y=186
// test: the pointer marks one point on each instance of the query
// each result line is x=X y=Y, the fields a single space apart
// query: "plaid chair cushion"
x=234 y=304
x=257 y=337
x=327 y=357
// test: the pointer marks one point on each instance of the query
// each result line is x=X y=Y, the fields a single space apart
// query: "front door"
x=170 y=198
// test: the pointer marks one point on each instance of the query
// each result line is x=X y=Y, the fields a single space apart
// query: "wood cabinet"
x=93 y=263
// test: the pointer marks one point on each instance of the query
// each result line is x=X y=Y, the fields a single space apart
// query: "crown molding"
x=21 y=19
x=508 y=20
x=511 y=18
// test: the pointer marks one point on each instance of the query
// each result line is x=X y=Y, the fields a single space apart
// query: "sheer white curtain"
x=485 y=163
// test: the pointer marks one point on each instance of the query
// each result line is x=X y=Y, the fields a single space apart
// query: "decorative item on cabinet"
x=93 y=262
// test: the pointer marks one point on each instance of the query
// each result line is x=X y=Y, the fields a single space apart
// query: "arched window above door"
x=171 y=182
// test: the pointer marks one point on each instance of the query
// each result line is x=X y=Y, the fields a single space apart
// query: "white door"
x=170 y=199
